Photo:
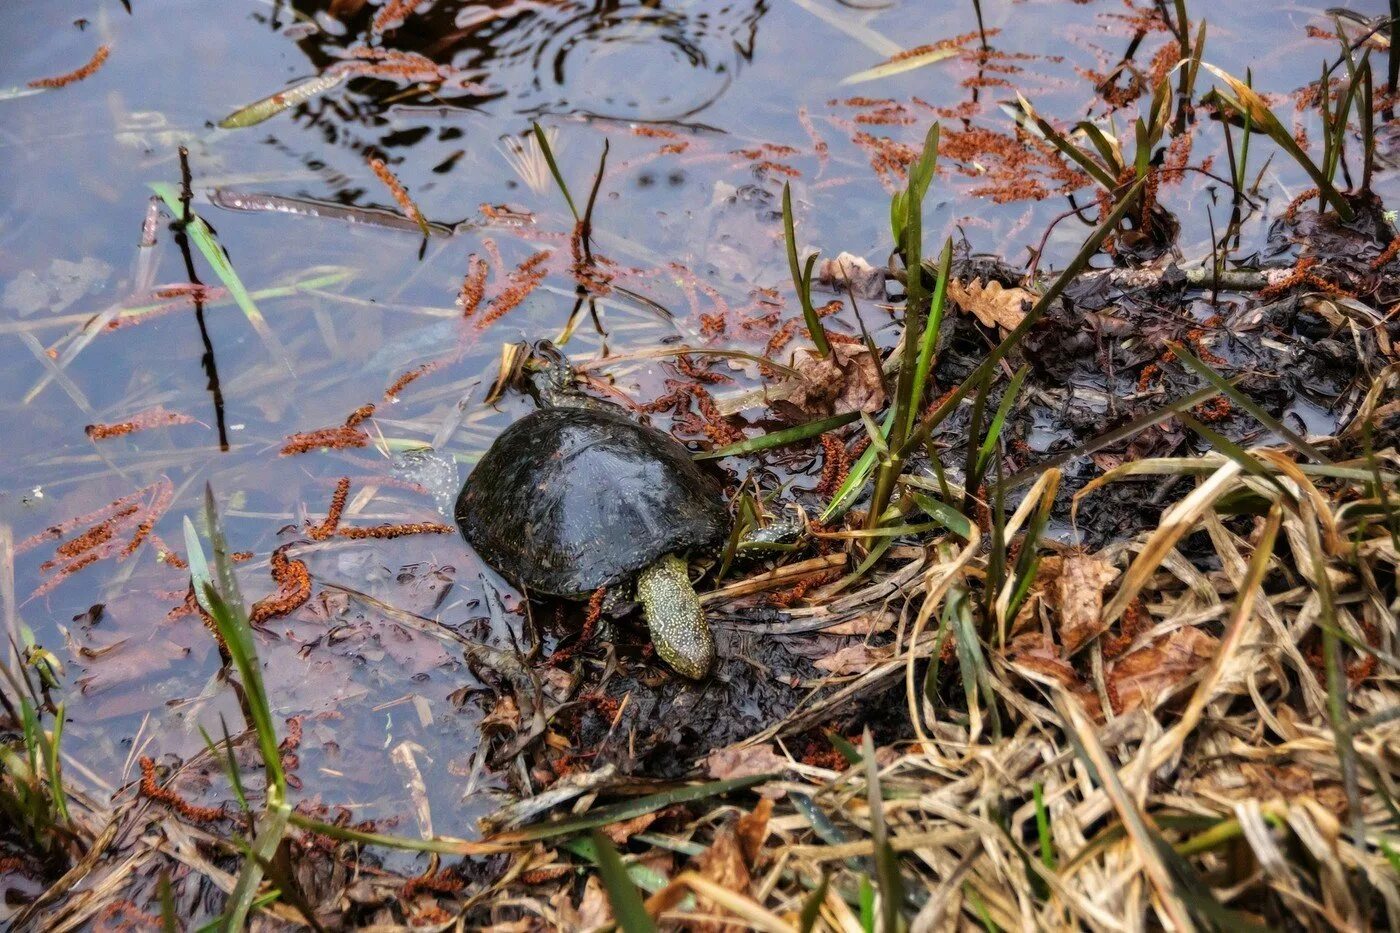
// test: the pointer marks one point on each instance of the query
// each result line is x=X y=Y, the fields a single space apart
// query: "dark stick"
x=211 y=367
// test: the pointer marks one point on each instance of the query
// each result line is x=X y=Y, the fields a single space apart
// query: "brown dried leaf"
x=848 y=380
x=729 y=860
x=505 y=715
x=1141 y=678
x=746 y=761
x=872 y=624
x=752 y=829
x=1078 y=594
x=620 y=832
x=594 y=910
x=852 y=659
x=992 y=303
x=1034 y=651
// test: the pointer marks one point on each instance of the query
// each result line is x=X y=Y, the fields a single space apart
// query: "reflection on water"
x=646 y=61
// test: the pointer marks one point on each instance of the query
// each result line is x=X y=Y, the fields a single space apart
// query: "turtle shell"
x=571 y=499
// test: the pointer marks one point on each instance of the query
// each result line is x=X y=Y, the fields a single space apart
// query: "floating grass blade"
x=626 y=902
x=203 y=238
x=273 y=104
x=780 y=438
x=899 y=65
x=802 y=279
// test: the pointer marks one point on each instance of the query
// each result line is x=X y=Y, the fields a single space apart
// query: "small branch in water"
x=211 y=366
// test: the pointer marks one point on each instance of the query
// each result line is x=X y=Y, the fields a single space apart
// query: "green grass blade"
x=272 y=827
x=802 y=281
x=989 y=443
x=866 y=900
x=626 y=901
x=933 y=323
x=1042 y=827
x=548 y=152
x=887 y=874
x=1247 y=461
x=222 y=603
x=1042 y=304
x=1081 y=158
x=1201 y=369
x=208 y=246
x=947 y=516
x=55 y=771
x=168 y=921
x=812 y=906
x=856 y=479
x=773 y=439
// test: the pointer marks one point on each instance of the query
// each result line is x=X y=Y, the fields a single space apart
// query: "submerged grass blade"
x=213 y=253
x=273 y=104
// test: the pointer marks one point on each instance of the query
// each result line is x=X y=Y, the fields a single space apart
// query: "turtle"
x=578 y=496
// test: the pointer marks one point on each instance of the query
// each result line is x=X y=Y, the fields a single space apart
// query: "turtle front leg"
x=678 y=628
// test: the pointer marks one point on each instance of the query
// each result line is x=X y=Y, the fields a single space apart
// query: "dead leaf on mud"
x=992 y=303
x=847 y=380
x=1035 y=651
x=1141 y=678
x=872 y=624
x=852 y=659
x=505 y=715
x=594 y=910
x=729 y=860
x=1078 y=595
x=724 y=763
x=752 y=829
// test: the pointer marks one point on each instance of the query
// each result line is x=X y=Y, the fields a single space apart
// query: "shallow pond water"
x=707 y=109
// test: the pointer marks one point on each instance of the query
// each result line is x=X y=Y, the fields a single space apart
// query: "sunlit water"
x=677 y=89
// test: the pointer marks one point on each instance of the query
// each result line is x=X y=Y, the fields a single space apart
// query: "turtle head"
x=554 y=378
x=677 y=623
